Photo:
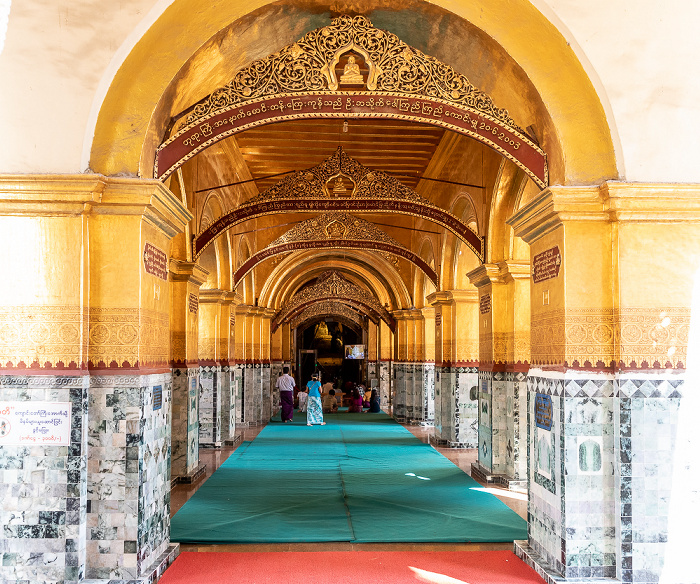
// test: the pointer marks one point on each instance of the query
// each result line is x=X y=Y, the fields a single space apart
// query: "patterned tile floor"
x=463 y=458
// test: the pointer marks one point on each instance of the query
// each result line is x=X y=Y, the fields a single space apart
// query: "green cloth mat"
x=361 y=477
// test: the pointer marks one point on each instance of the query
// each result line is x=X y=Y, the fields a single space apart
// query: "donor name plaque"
x=155 y=261
x=23 y=423
x=543 y=411
x=485 y=304
x=546 y=265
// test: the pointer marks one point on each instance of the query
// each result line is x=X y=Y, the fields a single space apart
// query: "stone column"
x=428 y=406
x=386 y=354
x=500 y=400
x=227 y=361
x=613 y=269
x=241 y=358
x=372 y=355
x=44 y=320
x=277 y=363
x=400 y=374
x=456 y=367
x=185 y=280
x=210 y=357
x=266 y=381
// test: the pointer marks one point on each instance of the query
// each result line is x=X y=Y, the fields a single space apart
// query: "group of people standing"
x=316 y=400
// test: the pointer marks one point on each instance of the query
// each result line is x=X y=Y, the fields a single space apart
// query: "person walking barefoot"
x=314 y=411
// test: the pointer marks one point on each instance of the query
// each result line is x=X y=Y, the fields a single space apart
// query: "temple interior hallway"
x=463 y=458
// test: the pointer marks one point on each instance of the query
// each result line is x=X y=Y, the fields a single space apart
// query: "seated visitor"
x=327 y=387
x=366 y=397
x=330 y=404
x=303 y=397
x=356 y=403
x=374 y=403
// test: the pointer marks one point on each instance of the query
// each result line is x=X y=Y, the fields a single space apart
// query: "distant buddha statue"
x=351 y=72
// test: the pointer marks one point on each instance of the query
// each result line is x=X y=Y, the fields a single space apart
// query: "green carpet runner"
x=361 y=478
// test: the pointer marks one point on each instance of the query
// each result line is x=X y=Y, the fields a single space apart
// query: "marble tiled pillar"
x=210 y=406
x=612 y=332
x=385 y=384
x=185 y=422
x=386 y=357
x=43 y=488
x=128 y=474
x=456 y=368
x=185 y=281
x=504 y=309
x=95 y=339
x=239 y=392
x=516 y=425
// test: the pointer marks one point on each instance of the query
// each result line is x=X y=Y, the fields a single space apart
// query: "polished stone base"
x=546 y=571
x=190 y=477
x=481 y=474
x=152 y=574
x=233 y=440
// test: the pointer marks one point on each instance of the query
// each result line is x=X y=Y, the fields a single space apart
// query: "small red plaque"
x=194 y=303
x=546 y=265
x=155 y=261
x=485 y=304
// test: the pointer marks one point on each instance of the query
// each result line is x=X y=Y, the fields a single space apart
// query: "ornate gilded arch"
x=332 y=286
x=328 y=308
x=301 y=81
x=298 y=268
x=334 y=231
x=340 y=183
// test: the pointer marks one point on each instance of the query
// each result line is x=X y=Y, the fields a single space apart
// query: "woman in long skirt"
x=314 y=411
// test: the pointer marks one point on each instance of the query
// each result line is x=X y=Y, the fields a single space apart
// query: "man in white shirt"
x=285 y=385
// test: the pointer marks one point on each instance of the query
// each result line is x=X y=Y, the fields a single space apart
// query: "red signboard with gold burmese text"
x=545 y=265
x=155 y=261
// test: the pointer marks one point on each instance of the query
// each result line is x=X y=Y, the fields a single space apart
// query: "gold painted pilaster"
x=503 y=315
x=429 y=333
x=629 y=261
x=456 y=327
x=287 y=344
x=241 y=354
x=372 y=342
x=386 y=342
x=185 y=281
x=211 y=326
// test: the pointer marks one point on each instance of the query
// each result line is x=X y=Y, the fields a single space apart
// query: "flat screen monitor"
x=355 y=351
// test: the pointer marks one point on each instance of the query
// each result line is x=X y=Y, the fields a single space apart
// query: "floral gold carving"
x=128 y=337
x=305 y=191
x=627 y=337
x=340 y=231
x=328 y=308
x=331 y=285
x=309 y=65
x=36 y=334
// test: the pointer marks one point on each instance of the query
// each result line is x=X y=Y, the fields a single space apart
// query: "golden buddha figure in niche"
x=351 y=72
x=339 y=188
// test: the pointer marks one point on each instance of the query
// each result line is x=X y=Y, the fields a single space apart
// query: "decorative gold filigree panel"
x=310 y=65
x=42 y=334
x=639 y=337
x=128 y=336
x=327 y=308
x=330 y=285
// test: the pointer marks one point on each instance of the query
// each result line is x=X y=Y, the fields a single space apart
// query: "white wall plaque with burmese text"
x=26 y=423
